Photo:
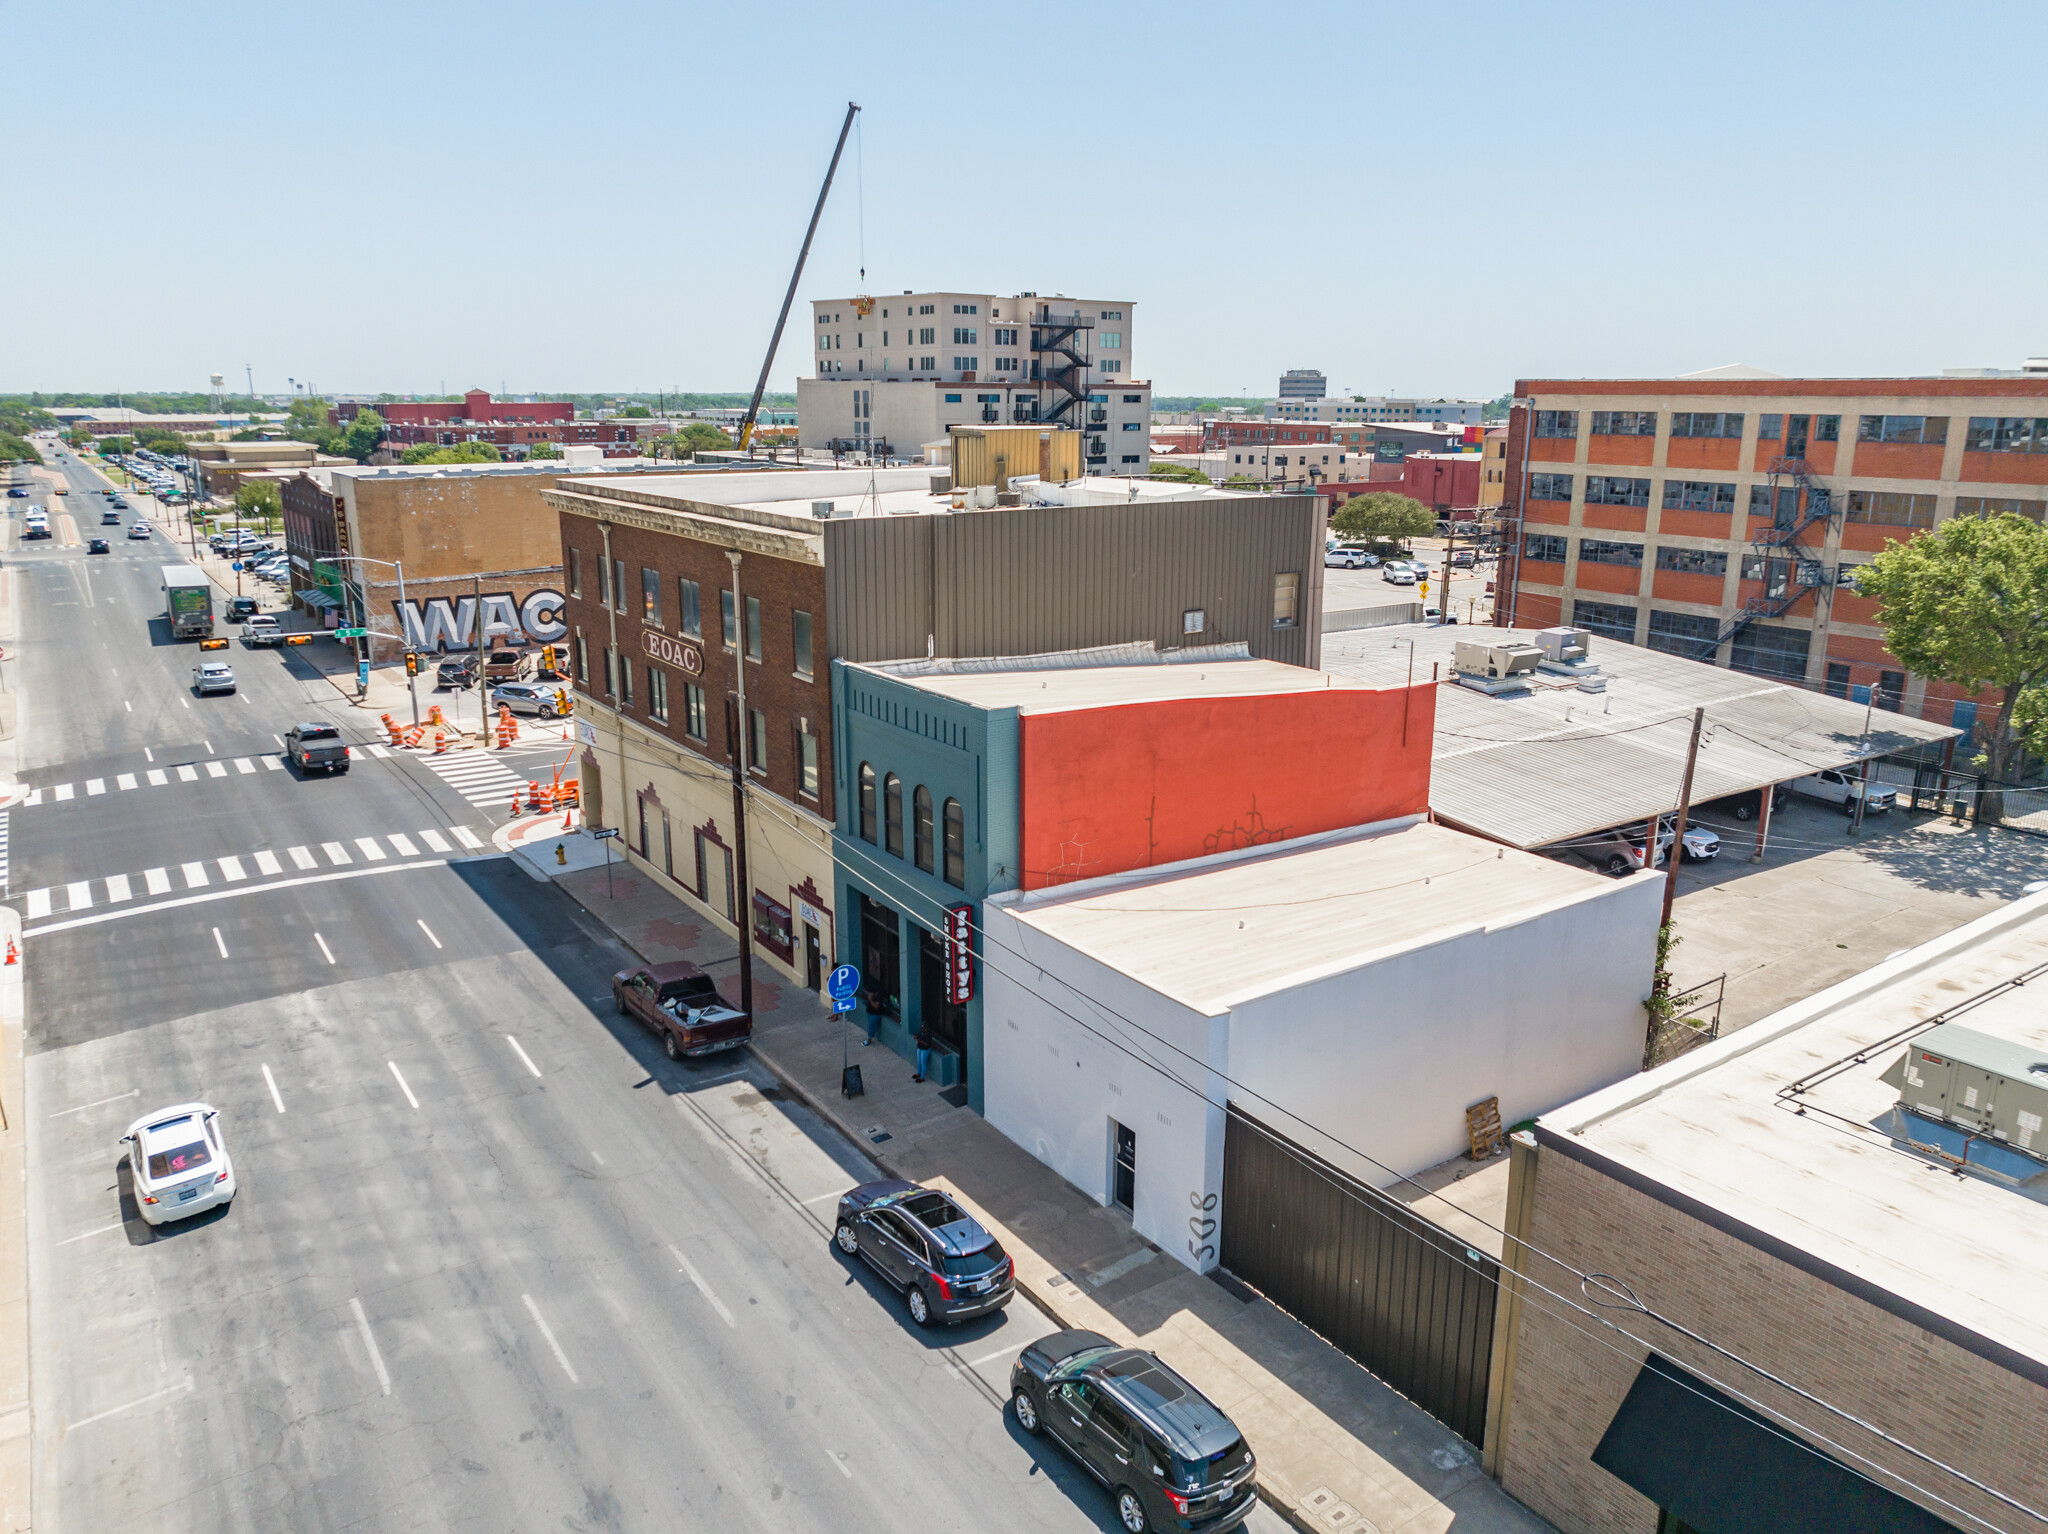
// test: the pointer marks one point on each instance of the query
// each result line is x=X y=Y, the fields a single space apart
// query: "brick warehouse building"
x=513 y=426
x=1723 y=517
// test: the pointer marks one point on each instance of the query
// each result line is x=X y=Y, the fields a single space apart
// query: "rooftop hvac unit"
x=1565 y=652
x=1990 y=1089
x=1495 y=668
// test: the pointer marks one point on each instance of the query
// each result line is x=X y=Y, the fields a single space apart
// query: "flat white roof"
x=1217 y=931
x=1037 y=691
x=1719 y=1126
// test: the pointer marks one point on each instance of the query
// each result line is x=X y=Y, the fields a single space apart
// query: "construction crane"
x=761 y=384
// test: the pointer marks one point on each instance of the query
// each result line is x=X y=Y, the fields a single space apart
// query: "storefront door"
x=946 y=1019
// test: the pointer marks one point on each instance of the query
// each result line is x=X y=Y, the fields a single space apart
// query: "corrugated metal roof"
x=1539 y=767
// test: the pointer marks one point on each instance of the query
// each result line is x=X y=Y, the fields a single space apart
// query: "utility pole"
x=1692 y=751
x=483 y=693
x=1862 y=797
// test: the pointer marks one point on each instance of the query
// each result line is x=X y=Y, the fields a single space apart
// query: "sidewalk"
x=1337 y=1449
x=15 y=1441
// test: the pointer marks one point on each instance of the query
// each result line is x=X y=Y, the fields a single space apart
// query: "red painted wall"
x=1135 y=785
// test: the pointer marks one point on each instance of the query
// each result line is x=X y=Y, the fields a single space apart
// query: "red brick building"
x=512 y=426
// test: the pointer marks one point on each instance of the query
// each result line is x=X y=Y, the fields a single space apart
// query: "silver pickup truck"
x=262 y=629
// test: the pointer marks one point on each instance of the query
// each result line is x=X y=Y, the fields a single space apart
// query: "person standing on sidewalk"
x=874 y=1011
x=924 y=1052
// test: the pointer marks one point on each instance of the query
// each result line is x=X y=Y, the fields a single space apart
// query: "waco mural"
x=449 y=623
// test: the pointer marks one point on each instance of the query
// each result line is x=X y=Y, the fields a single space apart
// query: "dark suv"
x=1169 y=1456
x=947 y=1265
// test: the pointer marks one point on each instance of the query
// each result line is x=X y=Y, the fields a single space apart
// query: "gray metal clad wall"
x=1027 y=580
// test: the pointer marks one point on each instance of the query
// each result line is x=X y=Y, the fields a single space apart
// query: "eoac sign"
x=960 y=953
x=672 y=652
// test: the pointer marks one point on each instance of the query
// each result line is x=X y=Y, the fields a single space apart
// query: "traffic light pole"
x=412 y=680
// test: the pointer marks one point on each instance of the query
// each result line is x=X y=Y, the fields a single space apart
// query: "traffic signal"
x=412 y=663
x=547 y=658
x=561 y=700
x=213 y=644
x=298 y=639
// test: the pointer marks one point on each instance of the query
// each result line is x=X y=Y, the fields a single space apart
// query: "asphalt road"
x=495 y=1263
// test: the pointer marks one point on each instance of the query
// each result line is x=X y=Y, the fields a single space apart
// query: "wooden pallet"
x=1482 y=1128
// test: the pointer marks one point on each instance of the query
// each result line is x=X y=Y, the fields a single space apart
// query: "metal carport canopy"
x=1553 y=763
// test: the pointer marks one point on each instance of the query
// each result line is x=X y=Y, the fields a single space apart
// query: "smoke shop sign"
x=672 y=652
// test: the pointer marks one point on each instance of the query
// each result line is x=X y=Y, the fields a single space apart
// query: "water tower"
x=218 y=382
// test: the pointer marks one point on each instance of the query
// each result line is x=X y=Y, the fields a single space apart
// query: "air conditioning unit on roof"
x=1495 y=668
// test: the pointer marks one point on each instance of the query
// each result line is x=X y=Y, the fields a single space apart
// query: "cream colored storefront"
x=673 y=810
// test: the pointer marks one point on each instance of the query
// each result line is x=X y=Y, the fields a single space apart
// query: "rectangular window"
x=1557 y=423
x=1610 y=619
x=650 y=597
x=604 y=583
x=753 y=628
x=1890 y=508
x=611 y=679
x=1548 y=547
x=696 y=712
x=575 y=572
x=625 y=682
x=1110 y=364
x=619 y=585
x=1827 y=428
x=1770 y=428
x=965 y=337
x=1111 y=340
x=1772 y=652
x=1603 y=551
x=1998 y=506
x=1838 y=679
x=582 y=661
x=1286 y=600
x=757 y=741
x=1003 y=338
x=1134 y=426
x=1691 y=561
x=1131 y=458
x=800 y=638
x=1902 y=428
x=807 y=764
x=1683 y=634
x=951 y=399
x=1706 y=423
x=1550 y=487
x=693 y=616
x=1612 y=490
x=1699 y=495
x=728 y=620
x=2007 y=434
x=657 y=695
x=1624 y=423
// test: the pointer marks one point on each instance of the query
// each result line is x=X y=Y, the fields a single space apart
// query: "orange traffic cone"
x=12 y=956
x=568 y=820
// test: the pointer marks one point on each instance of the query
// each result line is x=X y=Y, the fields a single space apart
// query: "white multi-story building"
x=1303 y=384
x=1375 y=408
x=890 y=374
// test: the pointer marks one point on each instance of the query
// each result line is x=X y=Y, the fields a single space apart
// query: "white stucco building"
x=1355 y=991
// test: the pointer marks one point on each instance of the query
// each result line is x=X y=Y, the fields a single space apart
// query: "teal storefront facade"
x=927 y=826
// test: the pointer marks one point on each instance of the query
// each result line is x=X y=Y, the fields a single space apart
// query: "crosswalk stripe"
x=231 y=869
x=158 y=880
x=267 y=863
x=402 y=843
x=188 y=774
x=435 y=840
x=79 y=894
x=243 y=764
x=126 y=780
x=302 y=857
x=274 y=763
x=95 y=786
x=38 y=904
x=35 y=796
x=195 y=876
x=118 y=890
x=371 y=850
x=465 y=836
x=216 y=770
x=336 y=853
x=63 y=792
x=157 y=778
x=379 y=751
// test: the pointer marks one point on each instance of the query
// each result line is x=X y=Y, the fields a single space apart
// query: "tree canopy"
x=361 y=437
x=545 y=450
x=1967 y=604
x=1185 y=473
x=14 y=450
x=259 y=498
x=461 y=452
x=1383 y=514
x=697 y=436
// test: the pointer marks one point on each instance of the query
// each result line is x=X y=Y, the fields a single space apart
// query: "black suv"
x=947 y=1265
x=457 y=671
x=1169 y=1455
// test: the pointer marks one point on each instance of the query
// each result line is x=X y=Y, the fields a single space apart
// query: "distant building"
x=1375 y=408
x=514 y=427
x=891 y=374
x=1303 y=383
x=1493 y=475
x=1308 y=457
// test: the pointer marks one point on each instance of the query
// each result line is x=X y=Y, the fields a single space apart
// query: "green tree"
x=698 y=436
x=15 y=450
x=1967 y=604
x=261 y=500
x=462 y=452
x=1184 y=473
x=169 y=443
x=361 y=437
x=80 y=437
x=1385 y=515
x=545 y=450
x=111 y=446
x=637 y=413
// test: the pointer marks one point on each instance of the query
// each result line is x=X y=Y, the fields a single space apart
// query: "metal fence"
x=1372 y=617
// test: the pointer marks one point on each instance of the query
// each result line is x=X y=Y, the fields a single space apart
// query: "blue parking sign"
x=842 y=985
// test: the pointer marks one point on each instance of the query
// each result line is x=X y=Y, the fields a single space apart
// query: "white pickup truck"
x=262 y=629
x=1840 y=788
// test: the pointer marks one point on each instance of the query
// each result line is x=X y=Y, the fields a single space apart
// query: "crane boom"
x=782 y=319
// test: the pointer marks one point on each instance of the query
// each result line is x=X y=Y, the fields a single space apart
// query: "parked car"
x=457 y=671
x=1745 y=807
x=316 y=747
x=179 y=1163
x=213 y=676
x=139 y=530
x=97 y=546
x=535 y=698
x=1832 y=787
x=1171 y=1458
x=943 y=1259
x=1701 y=844
x=1397 y=574
x=682 y=1004
x=1618 y=850
x=241 y=607
x=1347 y=556
x=1464 y=559
x=262 y=629
x=508 y=666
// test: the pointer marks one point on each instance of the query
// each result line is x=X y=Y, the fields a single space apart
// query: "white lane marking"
x=187 y=773
x=524 y=1057
x=117 y=1225
x=329 y=952
x=302 y=857
x=371 y=851
x=267 y=863
x=429 y=932
x=273 y=763
x=403 y=843
x=231 y=869
x=370 y=1344
x=98 y=1102
x=216 y=769
x=435 y=840
x=229 y=894
x=195 y=876
x=465 y=836
x=95 y=786
x=279 y=739
x=220 y=942
x=838 y=1463
x=378 y=751
x=179 y=1389
x=62 y=792
x=127 y=705
x=989 y=1358
x=243 y=764
x=125 y=781
x=401 y=1083
x=118 y=890
x=594 y=1156
x=690 y=1271
x=157 y=777
x=148 y=755
x=209 y=748
x=158 y=880
x=336 y=853
x=546 y=1331
x=182 y=703
x=270 y=1081
x=79 y=895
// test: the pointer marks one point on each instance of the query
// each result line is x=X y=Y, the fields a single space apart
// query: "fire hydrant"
x=561 y=857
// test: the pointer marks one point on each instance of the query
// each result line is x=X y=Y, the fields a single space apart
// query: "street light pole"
x=412 y=681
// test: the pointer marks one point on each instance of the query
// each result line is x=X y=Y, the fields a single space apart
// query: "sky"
x=1416 y=199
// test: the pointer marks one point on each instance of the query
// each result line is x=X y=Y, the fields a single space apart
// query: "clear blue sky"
x=1418 y=198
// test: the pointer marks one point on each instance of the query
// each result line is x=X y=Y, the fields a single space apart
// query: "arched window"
x=867 y=802
x=921 y=827
x=956 y=846
x=892 y=815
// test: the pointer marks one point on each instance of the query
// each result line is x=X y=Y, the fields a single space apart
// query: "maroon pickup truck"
x=681 y=1004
